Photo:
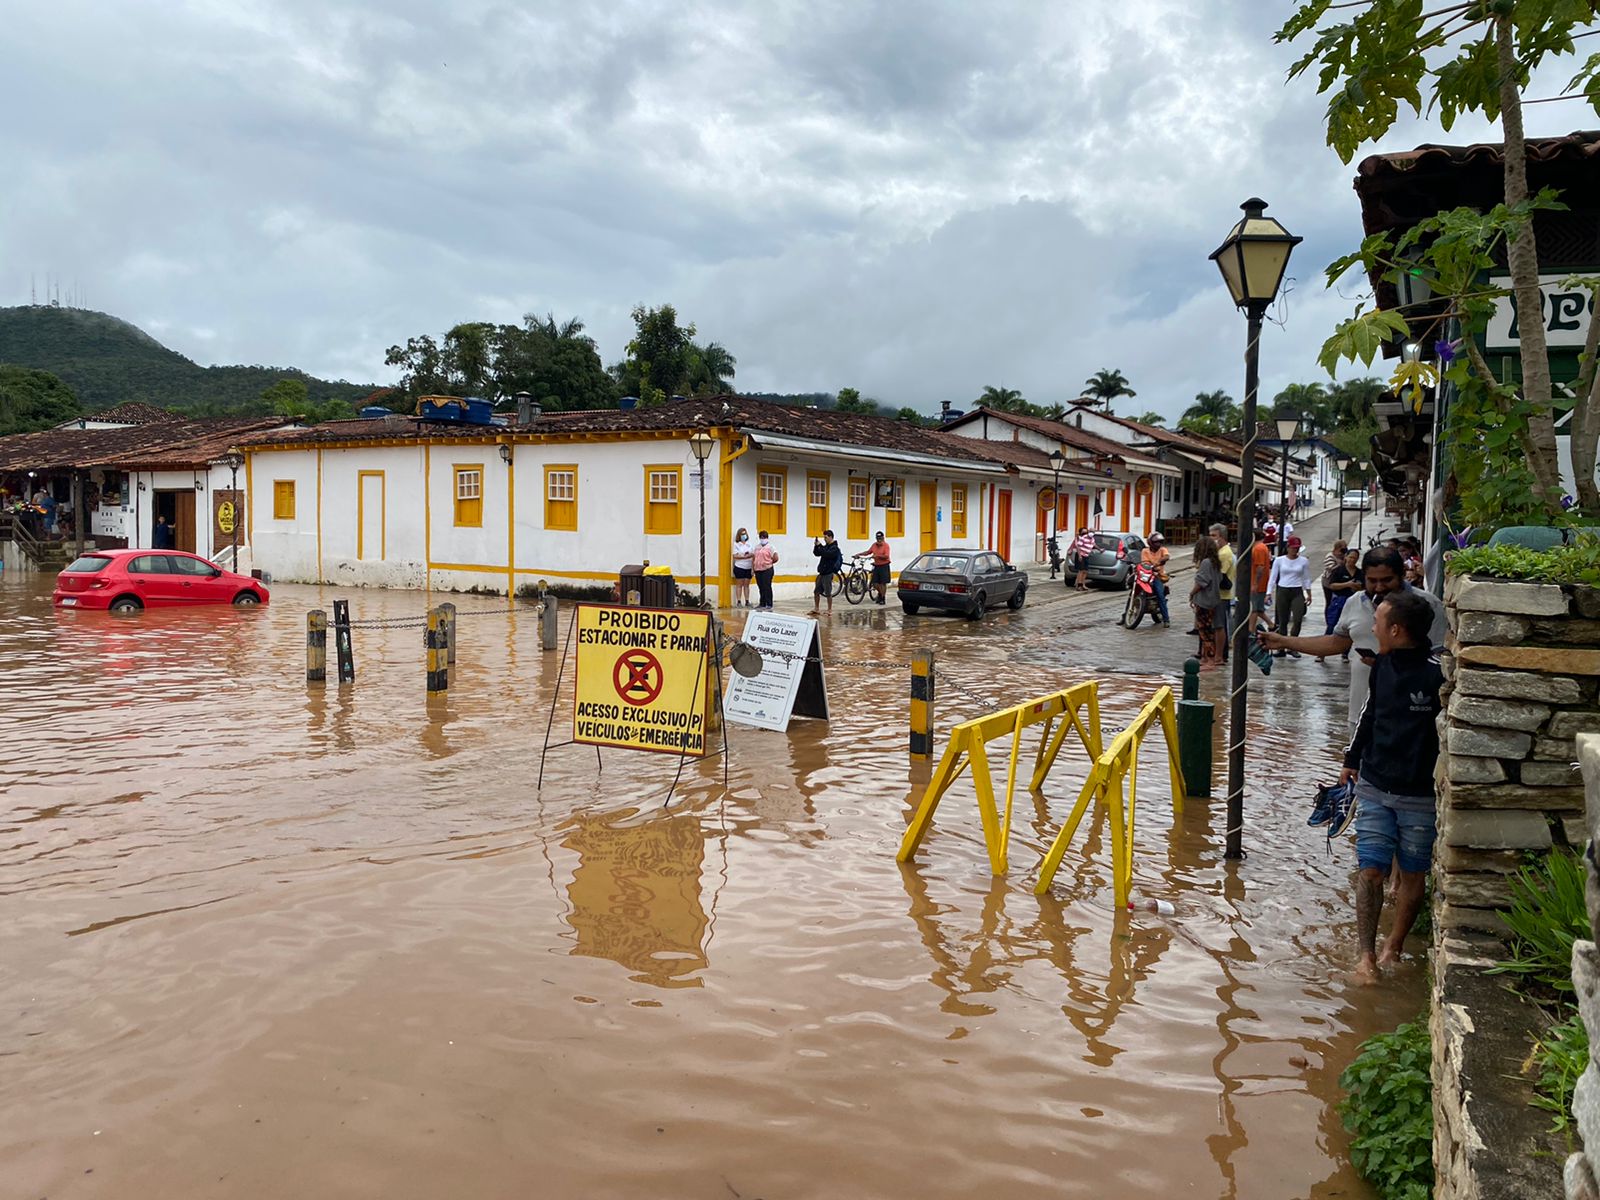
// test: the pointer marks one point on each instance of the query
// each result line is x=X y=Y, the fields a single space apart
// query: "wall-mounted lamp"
x=141 y=483
x=199 y=485
x=505 y=453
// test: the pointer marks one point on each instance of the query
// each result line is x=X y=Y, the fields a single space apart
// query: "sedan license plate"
x=931 y=587
x=68 y=602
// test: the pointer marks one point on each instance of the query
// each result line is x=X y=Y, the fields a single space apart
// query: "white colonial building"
x=401 y=502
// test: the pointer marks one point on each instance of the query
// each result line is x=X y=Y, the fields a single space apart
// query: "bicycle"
x=855 y=584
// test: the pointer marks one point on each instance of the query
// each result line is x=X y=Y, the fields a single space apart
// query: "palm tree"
x=1211 y=413
x=1002 y=399
x=1153 y=418
x=1310 y=402
x=1056 y=412
x=1104 y=386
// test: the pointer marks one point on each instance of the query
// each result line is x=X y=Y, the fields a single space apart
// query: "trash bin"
x=655 y=591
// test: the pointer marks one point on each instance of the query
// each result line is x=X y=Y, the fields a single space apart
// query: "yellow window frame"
x=283 y=499
x=958 y=510
x=894 y=515
x=772 y=515
x=662 y=515
x=817 y=483
x=858 y=498
x=561 y=509
x=467 y=494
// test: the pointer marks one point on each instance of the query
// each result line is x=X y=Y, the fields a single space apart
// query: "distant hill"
x=107 y=361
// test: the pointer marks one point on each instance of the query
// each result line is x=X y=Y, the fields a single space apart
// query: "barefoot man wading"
x=1392 y=759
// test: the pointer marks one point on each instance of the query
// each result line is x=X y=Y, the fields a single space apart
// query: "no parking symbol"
x=637 y=676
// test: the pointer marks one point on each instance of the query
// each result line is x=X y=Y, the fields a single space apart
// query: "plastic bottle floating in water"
x=1160 y=907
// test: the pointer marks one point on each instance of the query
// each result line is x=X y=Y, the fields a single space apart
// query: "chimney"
x=944 y=411
x=527 y=408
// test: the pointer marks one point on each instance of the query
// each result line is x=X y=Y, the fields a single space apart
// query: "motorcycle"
x=1141 y=597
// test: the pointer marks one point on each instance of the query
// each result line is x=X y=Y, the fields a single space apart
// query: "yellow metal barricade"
x=1105 y=786
x=1077 y=709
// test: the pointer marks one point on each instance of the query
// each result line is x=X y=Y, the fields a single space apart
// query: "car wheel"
x=979 y=602
x=125 y=604
x=246 y=600
x=1018 y=598
x=910 y=609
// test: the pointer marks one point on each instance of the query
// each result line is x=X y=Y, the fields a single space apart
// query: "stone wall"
x=1580 y=1172
x=1523 y=681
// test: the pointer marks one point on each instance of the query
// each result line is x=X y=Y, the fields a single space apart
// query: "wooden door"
x=930 y=515
x=1080 y=515
x=183 y=527
x=1002 y=524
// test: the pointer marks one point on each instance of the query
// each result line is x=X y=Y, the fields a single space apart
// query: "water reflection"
x=635 y=895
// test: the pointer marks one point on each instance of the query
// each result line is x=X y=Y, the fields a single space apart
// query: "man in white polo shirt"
x=1383 y=571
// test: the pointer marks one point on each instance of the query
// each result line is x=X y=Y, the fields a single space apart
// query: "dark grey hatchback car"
x=965 y=581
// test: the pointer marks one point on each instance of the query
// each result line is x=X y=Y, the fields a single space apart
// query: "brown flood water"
x=260 y=941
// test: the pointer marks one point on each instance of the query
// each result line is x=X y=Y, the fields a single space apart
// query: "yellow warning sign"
x=643 y=678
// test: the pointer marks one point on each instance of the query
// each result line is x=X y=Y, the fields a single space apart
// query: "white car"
x=1354 y=499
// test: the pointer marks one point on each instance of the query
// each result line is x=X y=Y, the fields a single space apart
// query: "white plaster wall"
x=287 y=550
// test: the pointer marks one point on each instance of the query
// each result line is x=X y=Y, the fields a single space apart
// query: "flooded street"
x=263 y=940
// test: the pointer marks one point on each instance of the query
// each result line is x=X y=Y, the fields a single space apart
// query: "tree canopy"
x=554 y=362
x=1104 y=386
x=1211 y=414
x=32 y=400
x=1371 y=57
x=664 y=360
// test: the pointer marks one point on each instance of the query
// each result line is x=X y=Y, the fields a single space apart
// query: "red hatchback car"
x=128 y=580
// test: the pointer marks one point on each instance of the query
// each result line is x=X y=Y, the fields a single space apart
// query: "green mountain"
x=107 y=361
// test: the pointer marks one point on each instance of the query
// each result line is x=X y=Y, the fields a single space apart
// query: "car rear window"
x=956 y=564
x=1107 y=541
x=88 y=564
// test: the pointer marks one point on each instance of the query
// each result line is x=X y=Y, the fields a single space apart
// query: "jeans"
x=1161 y=602
x=1390 y=826
x=764 y=585
x=1291 y=611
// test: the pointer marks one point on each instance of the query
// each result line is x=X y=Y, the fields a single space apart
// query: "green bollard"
x=1194 y=733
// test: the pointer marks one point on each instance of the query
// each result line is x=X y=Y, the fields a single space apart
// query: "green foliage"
x=664 y=360
x=849 y=401
x=554 y=362
x=1004 y=399
x=106 y=362
x=1373 y=58
x=287 y=398
x=1578 y=563
x=911 y=416
x=1547 y=914
x=1105 y=385
x=1211 y=414
x=1389 y=1112
x=1150 y=417
x=33 y=400
x=1561 y=1056
x=1359 y=337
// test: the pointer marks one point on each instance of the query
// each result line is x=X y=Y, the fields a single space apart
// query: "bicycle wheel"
x=855 y=587
x=835 y=584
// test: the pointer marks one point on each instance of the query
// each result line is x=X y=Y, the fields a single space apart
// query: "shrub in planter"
x=1389 y=1112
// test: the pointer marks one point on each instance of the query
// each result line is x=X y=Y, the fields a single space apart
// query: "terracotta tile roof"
x=680 y=416
x=1091 y=444
x=1013 y=454
x=176 y=444
x=135 y=412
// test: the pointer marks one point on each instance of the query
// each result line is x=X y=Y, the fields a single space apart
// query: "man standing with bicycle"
x=879 y=553
x=829 y=559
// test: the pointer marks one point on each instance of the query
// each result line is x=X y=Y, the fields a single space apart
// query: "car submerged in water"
x=126 y=581
x=964 y=581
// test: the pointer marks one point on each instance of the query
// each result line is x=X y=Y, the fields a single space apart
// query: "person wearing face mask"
x=743 y=555
x=763 y=562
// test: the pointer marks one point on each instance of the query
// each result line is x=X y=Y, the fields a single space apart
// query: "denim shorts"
x=1385 y=831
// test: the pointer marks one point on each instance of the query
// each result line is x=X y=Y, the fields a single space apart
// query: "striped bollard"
x=448 y=612
x=438 y=653
x=922 y=706
x=316 y=646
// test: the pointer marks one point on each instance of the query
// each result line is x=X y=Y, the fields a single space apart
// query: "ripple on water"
x=270 y=937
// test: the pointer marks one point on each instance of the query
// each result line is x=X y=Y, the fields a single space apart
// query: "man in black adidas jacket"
x=1392 y=758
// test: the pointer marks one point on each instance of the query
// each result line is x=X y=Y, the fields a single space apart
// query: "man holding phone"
x=1384 y=572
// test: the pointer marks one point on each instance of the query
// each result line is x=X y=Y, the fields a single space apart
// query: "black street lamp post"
x=233 y=460
x=1252 y=259
x=1288 y=423
x=1343 y=463
x=701 y=443
x=1057 y=461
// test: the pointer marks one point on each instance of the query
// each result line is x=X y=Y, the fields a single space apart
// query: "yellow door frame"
x=361 y=513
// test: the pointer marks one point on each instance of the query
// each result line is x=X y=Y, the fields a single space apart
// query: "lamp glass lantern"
x=1254 y=256
x=1288 y=423
x=505 y=453
x=1343 y=463
x=700 y=442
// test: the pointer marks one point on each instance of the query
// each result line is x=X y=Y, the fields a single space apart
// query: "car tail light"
x=1122 y=550
x=956 y=587
x=908 y=585
x=100 y=583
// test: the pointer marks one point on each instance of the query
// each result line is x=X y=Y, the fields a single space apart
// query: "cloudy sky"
x=914 y=199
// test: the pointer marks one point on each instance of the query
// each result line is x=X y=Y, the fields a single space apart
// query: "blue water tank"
x=373 y=412
x=628 y=403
